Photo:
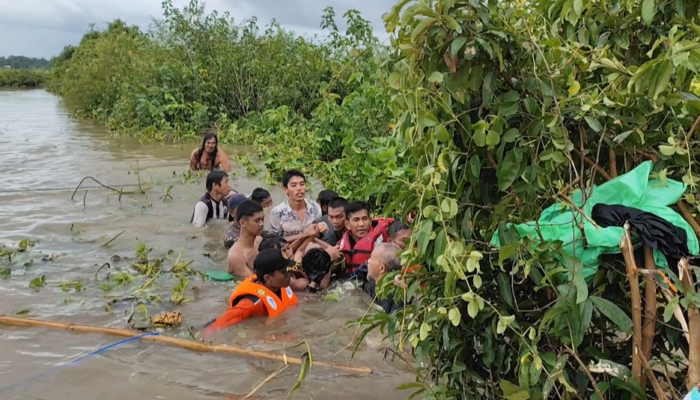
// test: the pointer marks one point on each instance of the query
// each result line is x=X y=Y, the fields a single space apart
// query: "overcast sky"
x=40 y=28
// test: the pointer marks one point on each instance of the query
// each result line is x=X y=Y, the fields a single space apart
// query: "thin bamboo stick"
x=649 y=327
x=626 y=248
x=188 y=344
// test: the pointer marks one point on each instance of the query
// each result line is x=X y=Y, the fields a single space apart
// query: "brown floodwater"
x=44 y=154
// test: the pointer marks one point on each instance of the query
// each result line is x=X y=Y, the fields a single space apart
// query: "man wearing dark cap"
x=234 y=231
x=267 y=293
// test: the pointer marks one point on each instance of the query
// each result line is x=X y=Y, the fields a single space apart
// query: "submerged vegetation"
x=480 y=114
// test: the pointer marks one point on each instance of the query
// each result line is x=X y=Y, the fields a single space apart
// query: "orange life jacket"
x=358 y=254
x=274 y=304
x=413 y=268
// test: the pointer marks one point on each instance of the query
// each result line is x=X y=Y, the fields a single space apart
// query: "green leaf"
x=509 y=170
x=492 y=138
x=511 y=135
x=473 y=309
x=436 y=77
x=479 y=138
x=441 y=133
x=648 y=10
x=593 y=123
x=613 y=312
x=667 y=150
x=663 y=77
x=504 y=323
x=424 y=330
x=424 y=233
x=38 y=282
x=513 y=392
x=581 y=287
x=477 y=281
x=504 y=288
x=454 y=316
x=5 y=273
x=670 y=307
x=332 y=297
x=473 y=261
x=531 y=106
x=427 y=119
x=457 y=44
x=475 y=166
x=578 y=7
x=507 y=109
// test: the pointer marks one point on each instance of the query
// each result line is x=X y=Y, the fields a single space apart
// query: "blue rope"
x=94 y=353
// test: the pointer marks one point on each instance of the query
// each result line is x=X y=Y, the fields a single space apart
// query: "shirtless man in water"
x=251 y=219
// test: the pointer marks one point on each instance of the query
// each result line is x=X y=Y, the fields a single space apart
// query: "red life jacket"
x=359 y=253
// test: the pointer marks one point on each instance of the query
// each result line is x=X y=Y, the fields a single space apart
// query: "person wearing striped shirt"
x=213 y=204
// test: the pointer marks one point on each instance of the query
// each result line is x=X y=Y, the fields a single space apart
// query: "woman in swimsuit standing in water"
x=209 y=156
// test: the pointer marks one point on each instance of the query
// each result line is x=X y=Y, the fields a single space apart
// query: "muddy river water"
x=44 y=154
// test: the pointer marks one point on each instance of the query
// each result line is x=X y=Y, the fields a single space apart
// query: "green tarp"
x=633 y=189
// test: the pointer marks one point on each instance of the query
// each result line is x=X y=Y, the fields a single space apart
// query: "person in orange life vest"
x=267 y=293
x=361 y=235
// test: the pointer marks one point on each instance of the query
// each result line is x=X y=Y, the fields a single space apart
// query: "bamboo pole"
x=685 y=274
x=188 y=344
x=649 y=328
x=626 y=248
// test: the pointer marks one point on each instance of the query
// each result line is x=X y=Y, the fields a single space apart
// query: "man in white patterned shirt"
x=291 y=218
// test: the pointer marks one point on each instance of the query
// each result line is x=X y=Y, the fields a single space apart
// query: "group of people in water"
x=309 y=243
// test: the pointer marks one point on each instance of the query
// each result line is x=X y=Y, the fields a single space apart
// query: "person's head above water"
x=384 y=259
x=336 y=213
x=273 y=269
x=324 y=197
x=262 y=196
x=210 y=146
x=233 y=203
x=217 y=184
x=399 y=234
x=250 y=217
x=270 y=241
x=316 y=263
x=358 y=220
x=294 y=183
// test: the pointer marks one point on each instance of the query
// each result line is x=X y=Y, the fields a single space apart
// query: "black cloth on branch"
x=655 y=232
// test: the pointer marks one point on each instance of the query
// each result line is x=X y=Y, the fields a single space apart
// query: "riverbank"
x=23 y=78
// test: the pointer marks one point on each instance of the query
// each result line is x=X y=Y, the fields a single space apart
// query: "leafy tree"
x=22 y=62
x=504 y=108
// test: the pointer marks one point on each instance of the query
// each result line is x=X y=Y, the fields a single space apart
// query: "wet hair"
x=208 y=134
x=259 y=195
x=324 y=198
x=291 y=174
x=247 y=209
x=338 y=202
x=316 y=263
x=355 y=207
x=396 y=227
x=214 y=178
x=271 y=241
x=389 y=255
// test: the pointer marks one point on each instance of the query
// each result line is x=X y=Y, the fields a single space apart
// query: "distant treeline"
x=22 y=62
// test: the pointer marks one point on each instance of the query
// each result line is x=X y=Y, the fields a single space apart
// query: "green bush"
x=22 y=77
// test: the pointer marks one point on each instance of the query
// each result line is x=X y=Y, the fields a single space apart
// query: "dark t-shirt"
x=369 y=286
x=331 y=237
